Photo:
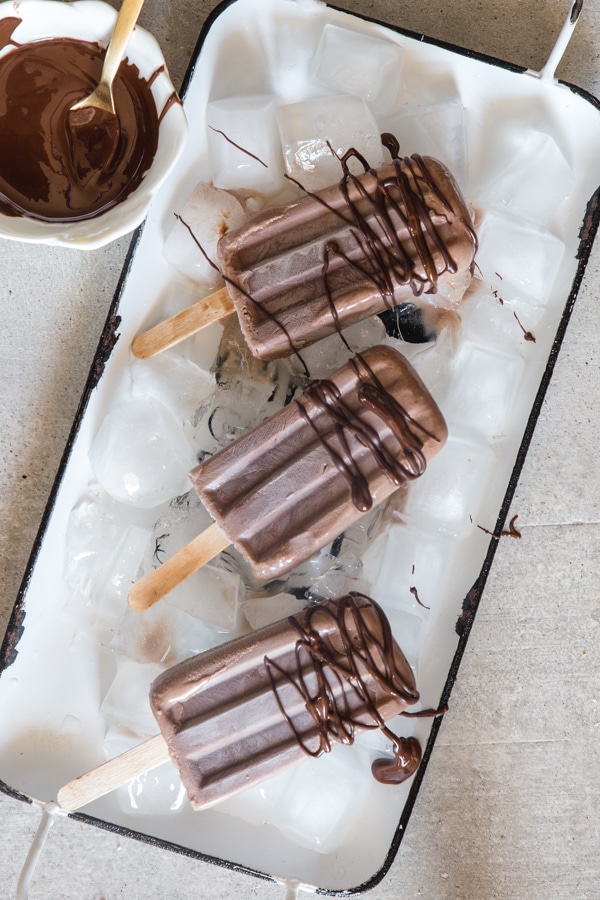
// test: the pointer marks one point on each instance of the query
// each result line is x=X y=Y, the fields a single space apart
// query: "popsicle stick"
x=151 y=588
x=183 y=325
x=112 y=774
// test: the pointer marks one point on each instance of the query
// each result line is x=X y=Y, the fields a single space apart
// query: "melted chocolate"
x=399 y=468
x=41 y=177
x=394 y=199
x=357 y=650
x=398 y=233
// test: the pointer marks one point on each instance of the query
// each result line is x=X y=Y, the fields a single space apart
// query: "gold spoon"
x=93 y=121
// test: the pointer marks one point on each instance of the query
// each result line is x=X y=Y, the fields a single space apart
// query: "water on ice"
x=533 y=183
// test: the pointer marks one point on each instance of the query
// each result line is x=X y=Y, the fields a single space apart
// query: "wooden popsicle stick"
x=183 y=325
x=152 y=587
x=112 y=774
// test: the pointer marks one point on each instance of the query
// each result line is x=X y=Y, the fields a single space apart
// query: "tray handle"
x=548 y=71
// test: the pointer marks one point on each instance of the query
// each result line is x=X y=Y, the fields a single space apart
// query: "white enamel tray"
x=489 y=373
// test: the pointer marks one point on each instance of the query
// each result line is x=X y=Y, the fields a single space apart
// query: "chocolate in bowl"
x=48 y=192
x=41 y=175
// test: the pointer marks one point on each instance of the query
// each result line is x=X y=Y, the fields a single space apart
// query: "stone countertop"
x=510 y=804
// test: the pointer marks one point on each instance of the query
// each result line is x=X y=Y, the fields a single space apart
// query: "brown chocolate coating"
x=42 y=174
x=300 y=478
x=248 y=709
x=299 y=272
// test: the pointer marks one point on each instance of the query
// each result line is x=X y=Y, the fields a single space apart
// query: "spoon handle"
x=128 y=16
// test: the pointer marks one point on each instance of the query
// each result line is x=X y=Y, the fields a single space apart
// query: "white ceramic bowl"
x=93 y=20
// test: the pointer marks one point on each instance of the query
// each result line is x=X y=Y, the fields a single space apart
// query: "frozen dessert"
x=296 y=481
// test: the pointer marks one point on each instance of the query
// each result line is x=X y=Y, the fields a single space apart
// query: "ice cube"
x=233 y=410
x=408 y=630
x=300 y=579
x=484 y=387
x=146 y=638
x=192 y=636
x=235 y=361
x=158 y=792
x=200 y=349
x=414 y=568
x=111 y=581
x=343 y=575
x=140 y=455
x=534 y=183
x=164 y=634
x=321 y=803
x=437 y=131
x=527 y=257
x=353 y=63
x=330 y=353
x=452 y=489
x=174 y=380
x=244 y=143
x=90 y=535
x=261 y=611
x=103 y=556
x=209 y=213
x=211 y=594
x=256 y=804
x=184 y=518
x=310 y=129
x=125 y=704
x=498 y=317
x=432 y=364
x=359 y=536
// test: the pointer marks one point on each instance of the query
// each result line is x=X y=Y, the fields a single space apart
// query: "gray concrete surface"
x=510 y=806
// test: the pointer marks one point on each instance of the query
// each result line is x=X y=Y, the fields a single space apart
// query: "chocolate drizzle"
x=377 y=217
x=345 y=678
x=399 y=467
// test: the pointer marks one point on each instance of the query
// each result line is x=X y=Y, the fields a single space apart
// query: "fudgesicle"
x=239 y=713
x=299 y=272
x=299 y=479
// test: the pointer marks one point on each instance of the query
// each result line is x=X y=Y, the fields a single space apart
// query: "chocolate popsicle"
x=298 y=480
x=299 y=272
x=246 y=710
